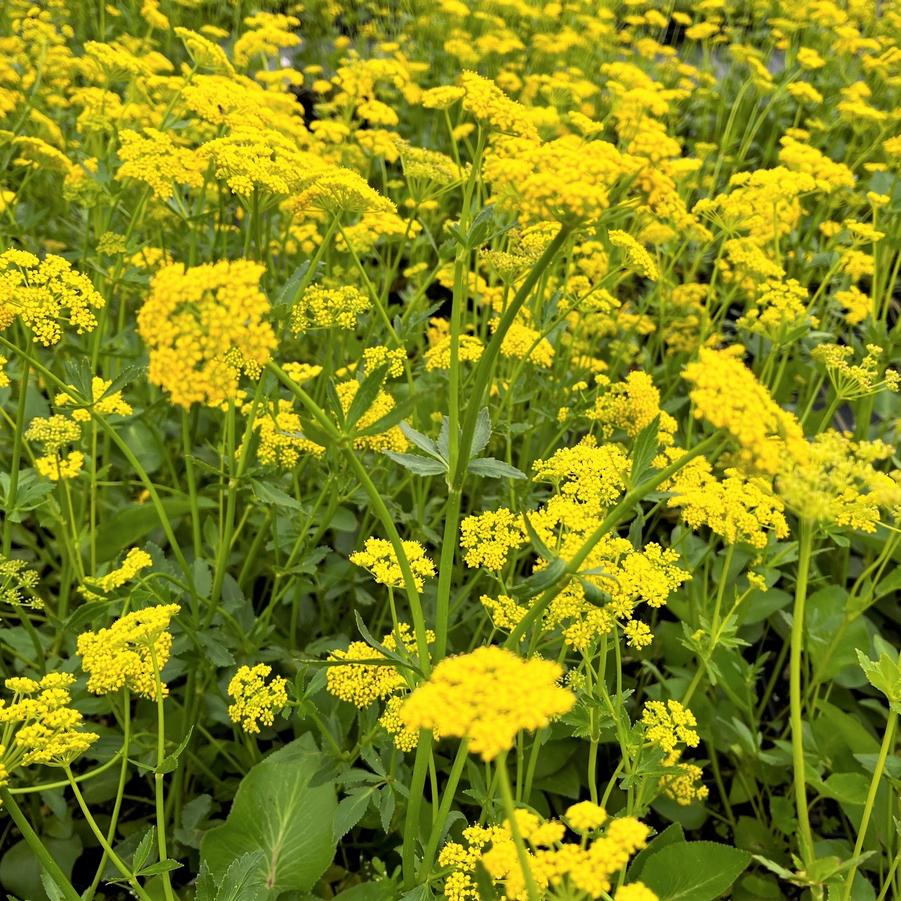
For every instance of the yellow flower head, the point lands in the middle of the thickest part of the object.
(379, 558)
(131, 653)
(488, 696)
(47, 729)
(667, 725)
(727, 394)
(255, 700)
(46, 295)
(489, 537)
(203, 325)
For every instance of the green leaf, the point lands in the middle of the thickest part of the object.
(288, 293)
(423, 442)
(350, 811)
(243, 880)
(884, 675)
(494, 469)
(417, 464)
(482, 433)
(672, 835)
(278, 812)
(170, 761)
(539, 581)
(694, 871)
(269, 494)
(644, 450)
(366, 394)
(142, 852)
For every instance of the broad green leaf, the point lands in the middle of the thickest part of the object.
(694, 871)
(131, 524)
(672, 835)
(270, 494)
(278, 812)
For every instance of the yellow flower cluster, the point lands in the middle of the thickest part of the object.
(438, 356)
(102, 401)
(567, 179)
(853, 380)
(489, 537)
(763, 203)
(488, 103)
(392, 438)
(637, 258)
(328, 307)
(47, 729)
(669, 724)
(156, 160)
(801, 157)
(524, 343)
(281, 437)
(780, 312)
(738, 508)
(250, 159)
(405, 739)
(131, 653)
(203, 325)
(135, 561)
(488, 696)
(727, 394)
(362, 683)
(52, 433)
(255, 700)
(18, 584)
(379, 558)
(630, 406)
(837, 482)
(592, 475)
(46, 295)
(559, 868)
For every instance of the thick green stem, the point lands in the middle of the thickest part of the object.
(805, 836)
(414, 805)
(37, 847)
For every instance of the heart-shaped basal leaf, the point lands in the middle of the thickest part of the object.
(277, 811)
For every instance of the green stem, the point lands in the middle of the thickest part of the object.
(117, 861)
(613, 518)
(414, 805)
(159, 792)
(509, 808)
(18, 435)
(805, 835)
(447, 799)
(120, 792)
(37, 847)
(888, 741)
